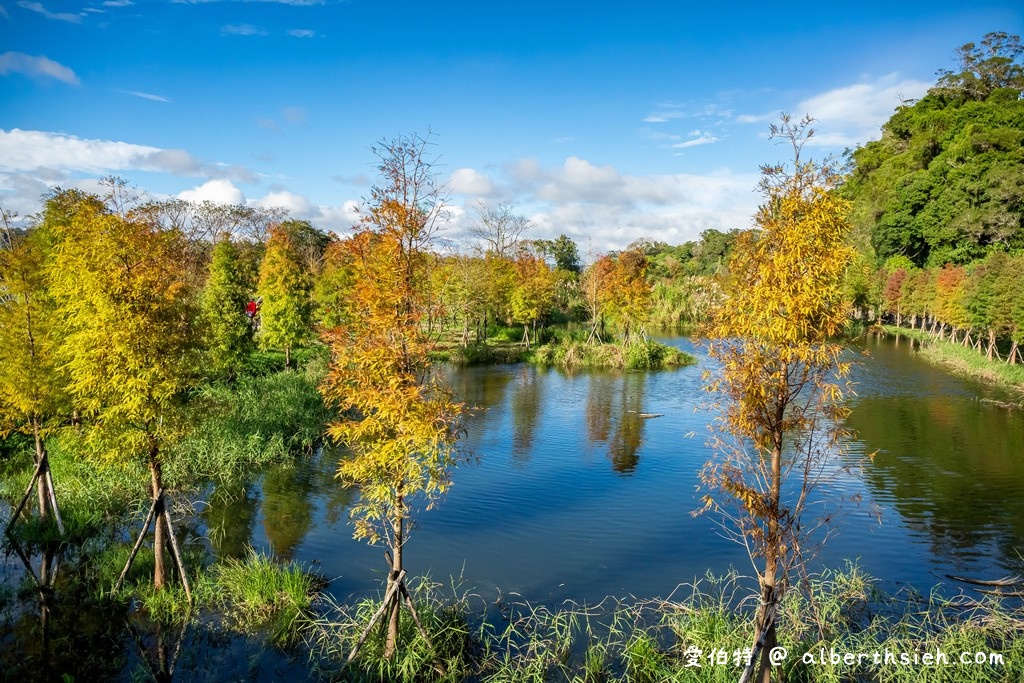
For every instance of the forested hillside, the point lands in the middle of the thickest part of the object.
(944, 184)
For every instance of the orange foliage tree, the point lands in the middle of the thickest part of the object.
(399, 421)
(781, 373)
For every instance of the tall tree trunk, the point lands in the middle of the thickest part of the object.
(1012, 358)
(159, 530)
(391, 643)
(287, 357)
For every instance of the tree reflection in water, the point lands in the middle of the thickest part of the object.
(614, 416)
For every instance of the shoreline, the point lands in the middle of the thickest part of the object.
(965, 361)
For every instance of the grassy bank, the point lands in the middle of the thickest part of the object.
(699, 636)
(963, 360)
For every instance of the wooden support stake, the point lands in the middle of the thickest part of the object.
(176, 552)
(388, 596)
(138, 541)
(24, 499)
(438, 664)
(53, 497)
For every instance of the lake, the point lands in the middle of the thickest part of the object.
(572, 494)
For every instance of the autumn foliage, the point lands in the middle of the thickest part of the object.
(781, 372)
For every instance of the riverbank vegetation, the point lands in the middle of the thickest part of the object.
(159, 349)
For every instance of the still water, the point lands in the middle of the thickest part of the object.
(575, 492)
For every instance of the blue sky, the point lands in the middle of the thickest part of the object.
(603, 121)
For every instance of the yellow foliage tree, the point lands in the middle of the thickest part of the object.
(129, 344)
(781, 378)
(31, 387)
(400, 423)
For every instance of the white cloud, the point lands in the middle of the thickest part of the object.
(703, 139)
(36, 67)
(144, 95)
(609, 209)
(665, 112)
(296, 205)
(219, 191)
(33, 151)
(242, 30)
(302, 33)
(58, 16)
(470, 182)
(851, 114)
(118, 3)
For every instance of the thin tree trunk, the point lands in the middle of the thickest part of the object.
(391, 642)
(44, 498)
(1012, 358)
(159, 532)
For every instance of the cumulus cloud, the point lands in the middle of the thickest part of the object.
(57, 16)
(296, 205)
(219, 191)
(302, 33)
(31, 150)
(600, 206)
(470, 182)
(852, 114)
(34, 151)
(35, 67)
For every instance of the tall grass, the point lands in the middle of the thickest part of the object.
(334, 632)
(702, 635)
(259, 421)
(572, 352)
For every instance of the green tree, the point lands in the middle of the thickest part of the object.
(986, 67)
(229, 333)
(780, 371)
(285, 290)
(129, 345)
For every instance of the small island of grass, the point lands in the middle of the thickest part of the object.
(567, 349)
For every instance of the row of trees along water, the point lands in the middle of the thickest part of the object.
(937, 206)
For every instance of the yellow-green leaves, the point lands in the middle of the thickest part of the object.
(126, 313)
